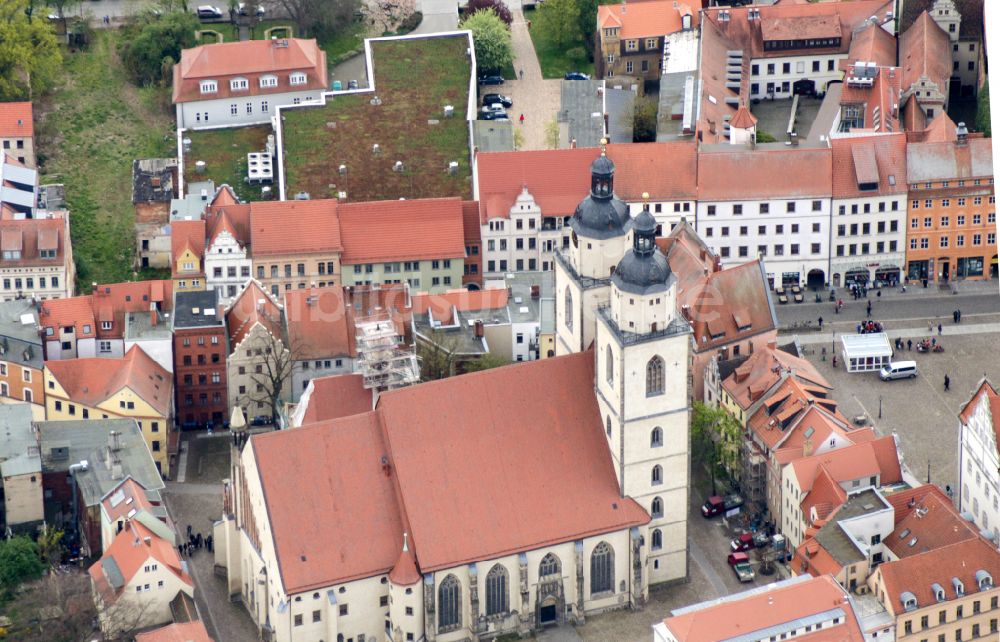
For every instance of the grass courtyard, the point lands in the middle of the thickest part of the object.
(414, 80)
(225, 154)
(556, 60)
(88, 132)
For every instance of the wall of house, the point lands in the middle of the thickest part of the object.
(435, 276)
(935, 212)
(978, 466)
(67, 346)
(227, 267)
(242, 386)
(200, 353)
(22, 148)
(188, 274)
(968, 55)
(768, 77)
(21, 382)
(23, 498)
(803, 234)
(235, 112)
(304, 371)
(868, 233)
(145, 599)
(40, 281)
(277, 273)
(152, 245)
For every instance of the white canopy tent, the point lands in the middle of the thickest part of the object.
(865, 352)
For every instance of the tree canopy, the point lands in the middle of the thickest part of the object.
(319, 18)
(494, 51)
(560, 19)
(19, 562)
(29, 53)
(983, 111)
(715, 438)
(151, 53)
(497, 6)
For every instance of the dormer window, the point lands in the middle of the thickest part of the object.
(239, 84)
(938, 592)
(297, 78)
(47, 254)
(12, 255)
(984, 580)
(268, 81)
(959, 587)
(909, 600)
(209, 86)
(106, 325)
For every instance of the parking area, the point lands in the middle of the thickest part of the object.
(919, 411)
(772, 116)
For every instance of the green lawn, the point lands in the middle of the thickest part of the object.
(225, 154)
(408, 126)
(344, 43)
(231, 32)
(556, 60)
(89, 131)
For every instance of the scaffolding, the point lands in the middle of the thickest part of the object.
(753, 480)
(384, 363)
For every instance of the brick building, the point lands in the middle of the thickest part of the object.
(199, 360)
(952, 209)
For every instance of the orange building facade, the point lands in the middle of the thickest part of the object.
(951, 226)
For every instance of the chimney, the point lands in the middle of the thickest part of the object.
(147, 540)
(807, 448)
(572, 144)
(479, 329)
(152, 316)
(686, 311)
(961, 135)
(536, 291)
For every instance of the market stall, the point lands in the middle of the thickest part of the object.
(865, 352)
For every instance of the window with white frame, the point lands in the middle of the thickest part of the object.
(268, 81)
(209, 86)
(239, 84)
(297, 78)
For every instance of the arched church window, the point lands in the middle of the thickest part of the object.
(654, 376)
(569, 309)
(657, 476)
(449, 602)
(602, 569)
(496, 590)
(656, 437)
(607, 425)
(609, 364)
(657, 508)
(549, 566)
(657, 539)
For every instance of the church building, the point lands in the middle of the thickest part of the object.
(488, 504)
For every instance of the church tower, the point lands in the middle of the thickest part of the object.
(642, 355)
(600, 235)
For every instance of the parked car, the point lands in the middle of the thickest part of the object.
(352, 84)
(261, 420)
(717, 505)
(495, 107)
(491, 79)
(494, 115)
(741, 566)
(898, 370)
(337, 85)
(742, 543)
(494, 99)
(243, 10)
(576, 75)
(207, 11)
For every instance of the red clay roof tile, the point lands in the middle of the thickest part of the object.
(407, 230)
(193, 631)
(16, 120)
(293, 227)
(646, 19)
(92, 380)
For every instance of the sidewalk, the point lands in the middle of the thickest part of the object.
(921, 332)
(535, 97)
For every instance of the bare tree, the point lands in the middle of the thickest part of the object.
(272, 365)
(57, 607)
(320, 17)
(437, 356)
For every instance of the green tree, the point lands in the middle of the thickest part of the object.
(715, 440)
(644, 120)
(63, 7)
(588, 22)
(486, 362)
(559, 21)
(19, 562)
(496, 6)
(165, 37)
(764, 137)
(29, 53)
(494, 51)
(50, 546)
(552, 133)
(983, 111)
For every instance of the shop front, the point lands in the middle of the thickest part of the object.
(789, 279)
(969, 267)
(887, 275)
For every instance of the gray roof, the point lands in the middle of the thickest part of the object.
(139, 326)
(19, 339)
(670, 110)
(836, 540)
(16, 433)
(521, 307)
(581, 107)
(642, 275)
(112, 572)
(493, 135)
(153, 180)
(88, 440)
(619, 104)
(21, 465)
(948, 160)
(547, 316)
(193, 205)
(185, 304)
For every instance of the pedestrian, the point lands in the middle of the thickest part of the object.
(522, 119)
(522, 73)
(909, 344)
(947, 383)
(959, 315)
(834, 361)
(869, 309)
(939, 329)
(954, 316)
(821, 323)
(878, 295)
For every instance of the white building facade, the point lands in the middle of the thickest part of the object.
(979, 460)
(227, 266)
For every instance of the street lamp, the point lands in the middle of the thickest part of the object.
(880, 406)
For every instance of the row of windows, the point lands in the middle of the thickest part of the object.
(242, 84)
(202, 379)
(761, 230)
(945, 241)
(945, 221)
(231, 272)
(866, 228)
(764, 208)
(866, 208)
(25, 373)
(29, 282)
(779, 250)
(518, 265)
(946, 202)
(201, 358)
(202, 399)
(405, 266)
(786, 67)
(961, 183)
(201, 341)
(5, 392)
(852, 249)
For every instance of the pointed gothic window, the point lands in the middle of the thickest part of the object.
(569, 309)
(607, 425)
(656, 438)
(496, 590)
(449, 601)
(654, 377)
(609, 364)
(657, 539)
(602, 569)
(657, 476)
(549, 566)
(657, 508)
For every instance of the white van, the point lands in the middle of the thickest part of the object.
(898, 370)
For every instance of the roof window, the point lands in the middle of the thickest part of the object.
(209, 86)
(984, 580)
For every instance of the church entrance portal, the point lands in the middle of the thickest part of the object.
(547, 613)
